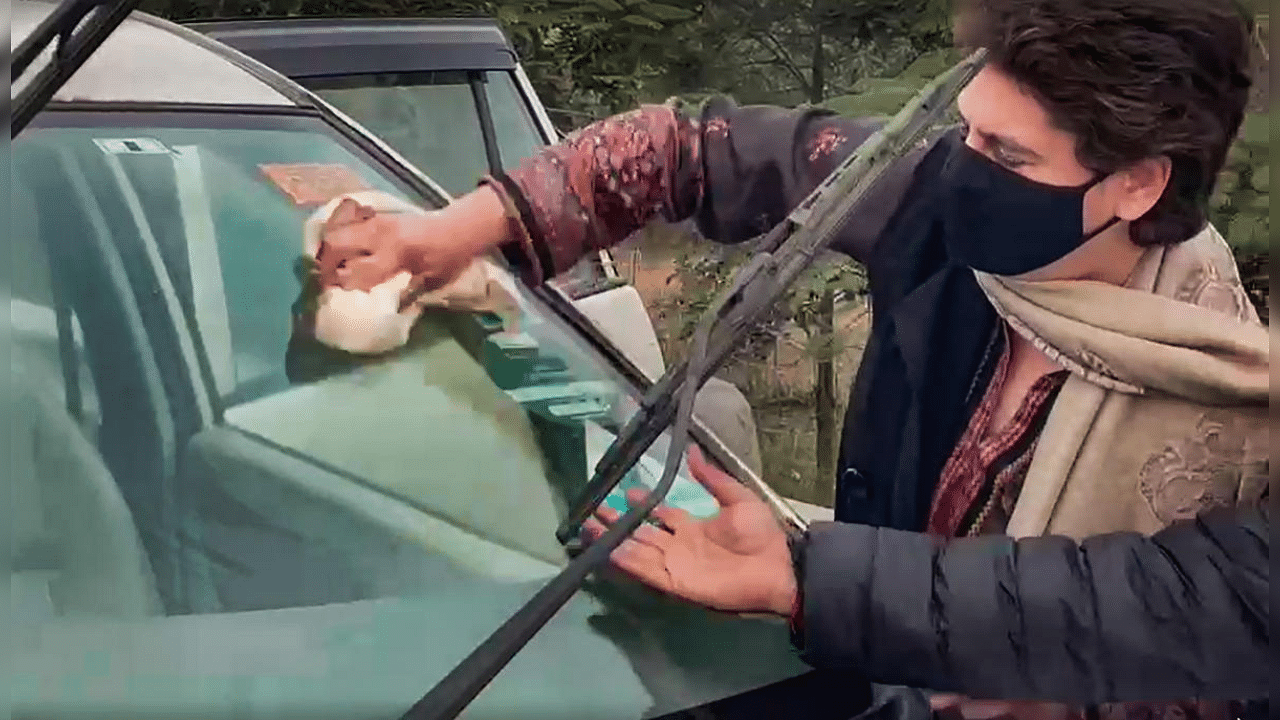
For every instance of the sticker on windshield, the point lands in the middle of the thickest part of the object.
(131, 146)
(313, 183)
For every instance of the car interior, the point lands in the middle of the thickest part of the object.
(75, 548)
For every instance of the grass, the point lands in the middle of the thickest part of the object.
(788, 435)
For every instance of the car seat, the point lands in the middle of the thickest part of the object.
(74, 545)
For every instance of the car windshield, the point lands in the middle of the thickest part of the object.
(213, 518)
(433, 120)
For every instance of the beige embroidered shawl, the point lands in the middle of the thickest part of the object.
(1165, 412)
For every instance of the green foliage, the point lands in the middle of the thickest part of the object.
(807, 309)
(931, 64)
(799, 50)
(885, 96)
(882, 98)
(1240, 207)
(664, 13)
(703, 277)
(594, 57)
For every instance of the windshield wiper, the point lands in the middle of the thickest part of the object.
(786, 251)
(78, 35)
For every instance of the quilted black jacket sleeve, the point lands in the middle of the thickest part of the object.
(1115, 618)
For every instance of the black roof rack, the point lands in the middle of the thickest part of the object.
(319, 47)
(79, 28)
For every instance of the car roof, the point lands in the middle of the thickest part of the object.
(317, 47)
(152, 61)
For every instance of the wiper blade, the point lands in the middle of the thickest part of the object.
(79, 27)
(786, 251)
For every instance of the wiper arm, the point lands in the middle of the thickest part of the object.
(787, 250)
(77, 39)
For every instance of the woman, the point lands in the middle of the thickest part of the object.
(1060, 344)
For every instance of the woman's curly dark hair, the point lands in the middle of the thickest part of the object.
(1130, 79)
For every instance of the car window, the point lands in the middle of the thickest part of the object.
(513, 125)
(245, 522)
(432, 119)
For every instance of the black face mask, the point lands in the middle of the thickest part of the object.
(999, 222)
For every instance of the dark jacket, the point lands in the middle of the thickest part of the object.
(1115, 618)
(737, 171)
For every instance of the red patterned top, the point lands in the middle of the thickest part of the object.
(981, 481)
(601, 184)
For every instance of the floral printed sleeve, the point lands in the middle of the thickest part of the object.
(736, 170)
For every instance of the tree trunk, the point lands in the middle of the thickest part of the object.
(818, 63)
(824, 390)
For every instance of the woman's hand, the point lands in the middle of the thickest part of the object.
(737, 561)
(361, 248)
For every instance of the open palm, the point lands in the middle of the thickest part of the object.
(736, 561)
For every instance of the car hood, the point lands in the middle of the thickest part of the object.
(374, 659)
